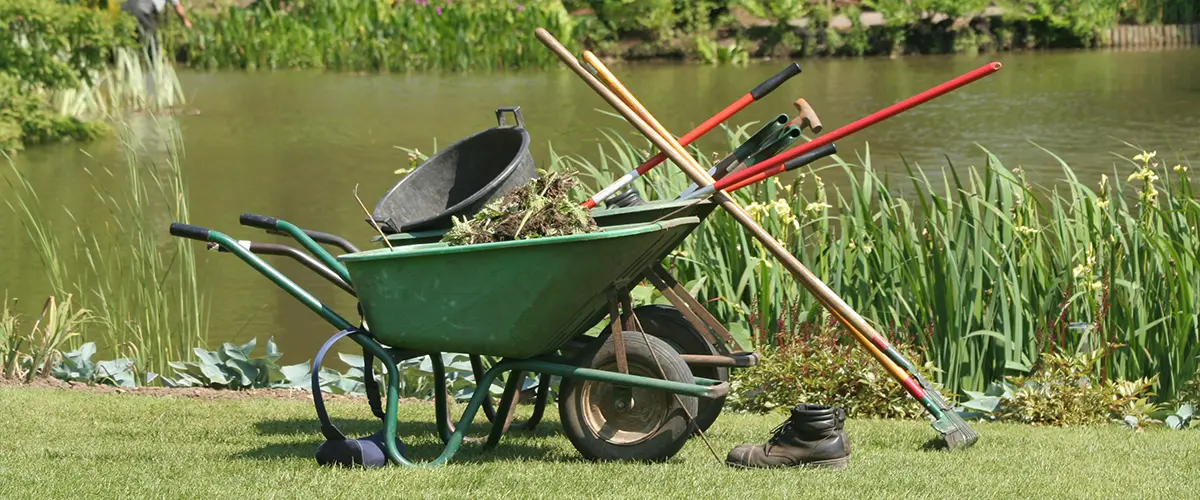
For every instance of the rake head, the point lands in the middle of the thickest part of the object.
(954, 430)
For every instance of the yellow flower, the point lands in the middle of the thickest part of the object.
(817, 206)
(1145, 157)
(1025, 230)
(1179, 169)
(1102, 204)
(1144, 174)
(1096, 285)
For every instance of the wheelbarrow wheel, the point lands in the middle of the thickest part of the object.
(668, 324)
(649, 425)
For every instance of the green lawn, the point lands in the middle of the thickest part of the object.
(66, 444)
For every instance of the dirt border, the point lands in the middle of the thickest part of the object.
(202, 393)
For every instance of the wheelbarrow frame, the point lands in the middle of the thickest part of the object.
(730, 354)
(453, 435)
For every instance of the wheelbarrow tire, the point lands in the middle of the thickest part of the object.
(667, 323)
(660, 424)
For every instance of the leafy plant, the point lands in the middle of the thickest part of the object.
(1182, 417)
(653, 16)
(416, 377)
(711, 52)
(815, 364)
(77, 366)
(375, 35)
(10, 341)
(781, 13)
(232, 367)
(1066, 391)
(57, 324)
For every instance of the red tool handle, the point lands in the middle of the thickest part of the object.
(757, 93)
(775, 164)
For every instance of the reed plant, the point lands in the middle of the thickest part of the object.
(139, 284)
(976, 267)
(375, 35)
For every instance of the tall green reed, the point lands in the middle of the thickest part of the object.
(140, 285)
(975, 266)
(376, 35)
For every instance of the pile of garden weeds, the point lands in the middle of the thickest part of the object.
(538, 209)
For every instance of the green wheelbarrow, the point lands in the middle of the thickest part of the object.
(685, 324)
(626, 395)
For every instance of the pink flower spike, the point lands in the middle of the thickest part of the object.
(439, 11)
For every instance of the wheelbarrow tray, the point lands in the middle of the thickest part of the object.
(605, 217)
(513, 299)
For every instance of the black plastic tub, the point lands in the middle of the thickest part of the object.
(459, 180)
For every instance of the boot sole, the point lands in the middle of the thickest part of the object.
(834, 463)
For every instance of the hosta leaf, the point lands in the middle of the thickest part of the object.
(1185, 411)
(214, 374)
(248, 347)
(85, 352)
(247, 371)
(348, 386)
(1174, 422)
(354, 360)
(207, 356)
(297, 374)
(230, 351)
(273, 353)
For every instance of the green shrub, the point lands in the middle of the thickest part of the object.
(816, 364)
(629, 16)
(53, 46)
(26, 119)
(35, 352)
(45, 47)
(375, 35)
(1068, 390)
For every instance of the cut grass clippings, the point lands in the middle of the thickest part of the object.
(61, 444)
(540, 208)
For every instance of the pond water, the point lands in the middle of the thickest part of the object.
(295, 144)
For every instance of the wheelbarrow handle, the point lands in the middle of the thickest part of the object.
(259, 221)
(189, 231)
(270, 224)
(295, 254)
(301, 236)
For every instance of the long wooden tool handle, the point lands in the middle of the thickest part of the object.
(764, 88)
(831, 301)
(610, 82)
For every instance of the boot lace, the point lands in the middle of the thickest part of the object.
(780, 430)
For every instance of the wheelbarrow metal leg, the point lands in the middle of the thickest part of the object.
(477, 369)
(507, 408)
(440, 397)
(693, 310)
(615, 313)
(539, 404)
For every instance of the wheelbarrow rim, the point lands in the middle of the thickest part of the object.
(444, 249)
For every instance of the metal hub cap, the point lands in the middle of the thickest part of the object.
(625, 422)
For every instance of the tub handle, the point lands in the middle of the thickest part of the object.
(515, 110)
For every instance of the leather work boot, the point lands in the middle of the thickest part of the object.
(814, 436)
